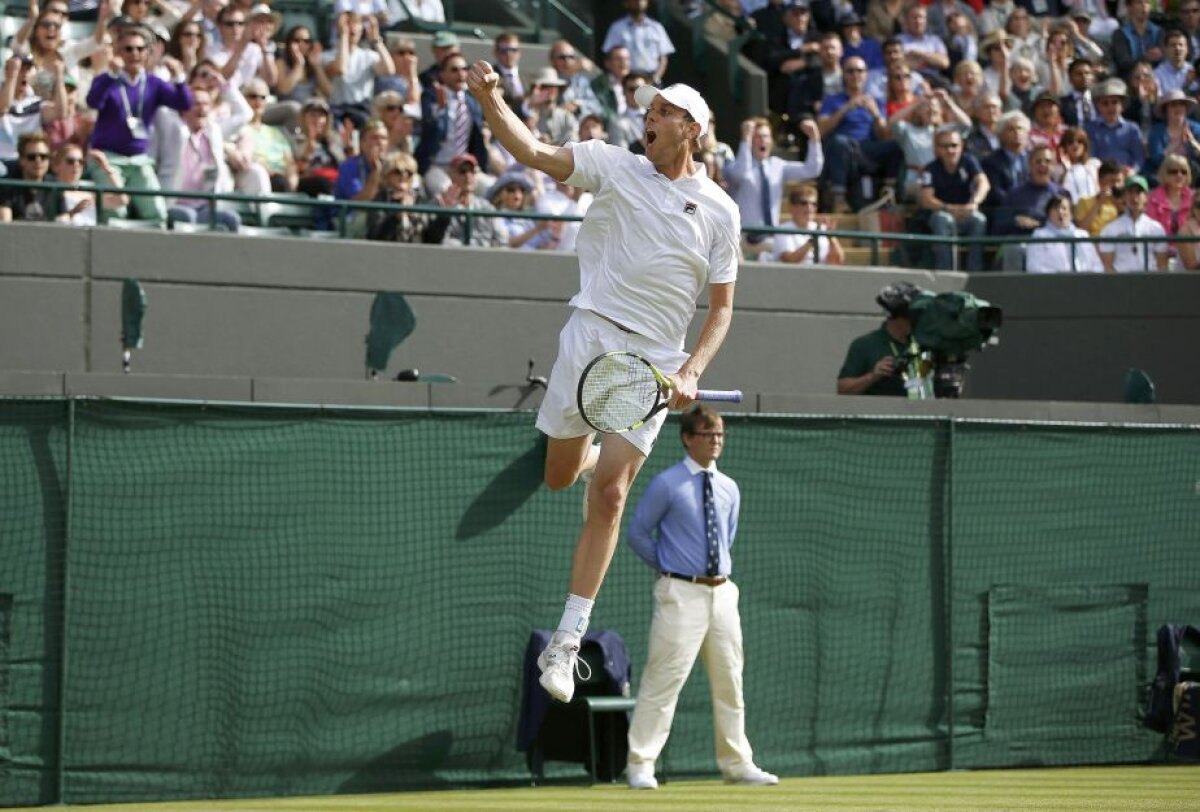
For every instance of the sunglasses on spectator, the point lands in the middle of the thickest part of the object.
(36, 156)
(465, 168)
(392, 108)
(854, 70)
(253, 96)
(1177, 171)
(234, 23)
(191, 32)
(133, 49)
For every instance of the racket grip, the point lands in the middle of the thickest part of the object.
(721, 395)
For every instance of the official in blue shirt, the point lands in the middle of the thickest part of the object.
(1112, 135)
(683, 529)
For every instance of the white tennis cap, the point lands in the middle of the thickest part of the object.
(681, 96)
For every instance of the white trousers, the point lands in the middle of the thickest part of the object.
(691, 619)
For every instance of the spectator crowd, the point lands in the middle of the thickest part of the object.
(1039, 119)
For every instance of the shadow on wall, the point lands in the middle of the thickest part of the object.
(505, 494)
(412, 764)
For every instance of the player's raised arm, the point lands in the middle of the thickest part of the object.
(484, 84)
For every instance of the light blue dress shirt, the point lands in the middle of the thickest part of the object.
(667, 530)
(647, 42)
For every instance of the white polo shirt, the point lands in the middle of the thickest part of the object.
(648, 245)
(1130, 257)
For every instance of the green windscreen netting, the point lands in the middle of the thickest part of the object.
(269, 601)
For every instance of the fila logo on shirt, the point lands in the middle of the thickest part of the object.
(689, 207)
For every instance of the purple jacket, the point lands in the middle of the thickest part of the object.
(111, 133)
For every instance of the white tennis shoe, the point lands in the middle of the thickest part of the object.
(641, 776)
(557, 663)
(752, 775)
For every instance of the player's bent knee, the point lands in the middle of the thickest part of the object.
(609, 499)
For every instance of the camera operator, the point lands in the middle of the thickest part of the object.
(874, 362)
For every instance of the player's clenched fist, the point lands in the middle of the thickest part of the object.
(481, 78)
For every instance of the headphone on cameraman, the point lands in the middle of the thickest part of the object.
(896, 297)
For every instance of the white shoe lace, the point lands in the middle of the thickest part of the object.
(581, 664)
(559, 657)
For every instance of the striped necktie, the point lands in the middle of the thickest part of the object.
(710, 527)
(462, 126)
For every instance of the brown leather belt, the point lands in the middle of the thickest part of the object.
(704, 580)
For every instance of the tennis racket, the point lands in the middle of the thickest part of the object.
(620, 391)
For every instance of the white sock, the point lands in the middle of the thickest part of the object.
(575, 617)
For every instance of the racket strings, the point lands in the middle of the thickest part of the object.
(618, 392)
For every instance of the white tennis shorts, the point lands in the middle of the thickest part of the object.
(585, 336)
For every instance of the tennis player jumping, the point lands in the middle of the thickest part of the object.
(657, 232)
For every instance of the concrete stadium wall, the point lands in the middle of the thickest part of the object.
(284, 320)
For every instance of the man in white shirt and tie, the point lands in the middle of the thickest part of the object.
(757, 178)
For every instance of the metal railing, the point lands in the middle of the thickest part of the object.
(878, 240)
(342, 211)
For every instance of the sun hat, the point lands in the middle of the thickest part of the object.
(547, 77)
(1172, 97)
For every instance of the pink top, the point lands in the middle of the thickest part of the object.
(1159, 208)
